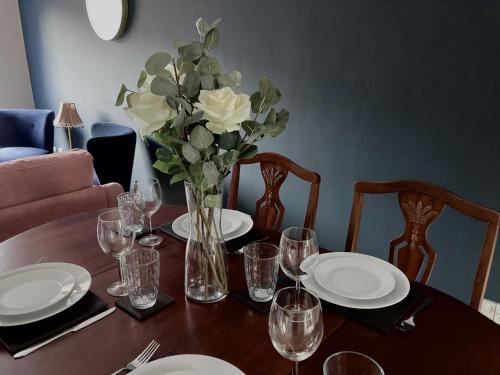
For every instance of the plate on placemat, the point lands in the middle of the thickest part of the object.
(32, 290)
(179, 364)
(243, 223)
(82, 285)
(398, 293)
(359, 278)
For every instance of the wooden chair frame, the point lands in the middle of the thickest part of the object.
(431, 200)
(269, 211)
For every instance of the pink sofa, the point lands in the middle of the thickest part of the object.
(40, 189)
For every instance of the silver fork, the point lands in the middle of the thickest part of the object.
(142, 358)
(408, 324)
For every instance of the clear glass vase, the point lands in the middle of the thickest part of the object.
(206, 273)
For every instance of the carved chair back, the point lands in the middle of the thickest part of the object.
(421, 203)
(269, 210)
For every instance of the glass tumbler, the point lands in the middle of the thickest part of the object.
(141, 274)
(130, 210)
(351, 363)
(261, 270)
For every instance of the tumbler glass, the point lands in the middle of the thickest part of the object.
(351, 363)
(261, 270)
(141, 274)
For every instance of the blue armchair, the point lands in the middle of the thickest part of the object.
(25, 132)
(113, 148)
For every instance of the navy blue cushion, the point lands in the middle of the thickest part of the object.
(27, 128)
(13, 153)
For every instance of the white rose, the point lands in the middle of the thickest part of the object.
(149, 110)
(223, 109)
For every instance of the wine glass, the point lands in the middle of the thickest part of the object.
(148, 194)
(130, 207)
(115, 238)
(299, 253)
(295, 324)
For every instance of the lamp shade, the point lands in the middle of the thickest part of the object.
(68, 116)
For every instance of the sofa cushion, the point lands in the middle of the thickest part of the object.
(13, 153)
(34, 178)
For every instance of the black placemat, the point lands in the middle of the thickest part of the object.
(162, 301)
(253, 235)
(385, 318)
(21, 337)
(243, 297)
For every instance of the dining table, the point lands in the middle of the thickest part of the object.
(450, 337)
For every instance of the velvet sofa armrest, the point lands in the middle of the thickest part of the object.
(112, 190)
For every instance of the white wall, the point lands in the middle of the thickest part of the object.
(15, 85)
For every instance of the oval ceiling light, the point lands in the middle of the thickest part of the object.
(107, 17)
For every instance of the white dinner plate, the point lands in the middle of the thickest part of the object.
(29, 291)
(82, 285)
(359, 278)
(180, 364)
(400, 291)
(229, 222)
(245, 220)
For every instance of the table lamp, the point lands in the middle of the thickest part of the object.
(68, 118)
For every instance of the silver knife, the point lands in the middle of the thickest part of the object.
(78, 327)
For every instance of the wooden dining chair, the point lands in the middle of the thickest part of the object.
(269, 211)
(421, 203)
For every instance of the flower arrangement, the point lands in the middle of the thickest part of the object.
(196, 112)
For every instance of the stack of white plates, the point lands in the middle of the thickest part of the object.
(188, 364)
(357, 281)
(32, 293)
(234, 224)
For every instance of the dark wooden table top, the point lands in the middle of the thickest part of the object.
(450, 338)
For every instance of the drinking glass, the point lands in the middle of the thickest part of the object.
(115, 238)
(351, 363)
(295, 324)
(261, 270)
(130, 207)
(299, 253)
(150, 191)
(141, 273)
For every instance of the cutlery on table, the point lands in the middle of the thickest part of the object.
(78, 327)
(409, 324)
(141, 359)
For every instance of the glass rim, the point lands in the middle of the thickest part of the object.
(155, 252)
(142, 181)
(266, 244)
(289, 229)
(370, 359)
(115, 210)
(295, 290)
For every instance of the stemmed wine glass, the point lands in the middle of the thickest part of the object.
(148, 194)
(295, 324)
(115, 237)
(299, 253)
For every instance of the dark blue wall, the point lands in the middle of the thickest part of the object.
(377, 90)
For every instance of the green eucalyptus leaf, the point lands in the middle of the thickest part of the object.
(191, 51)
(194, 118)
(128, 100)
(174, 169)
(163, 87)
(161, 166)
(230, 157)
(178, 177)
(191, 84)
(142, 79)
(210, 173)
(212, 39)
(202, 26)
(250, 152)
(271, 117)
(215, 23)
(196, 171)
(164, 155)
(229, 140)
(217, 159)
(208, 65)
(201, 138)
(184, 66)
(232, 79)
(267, 91)
(121, 95)
(258, 103)
(213, 200)
(181, 43)
(191, 154)
(252, 127)
(157, 62)
(185, 105)
(207, 82)
(171, 101)
(179, 120)
(168, 76)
